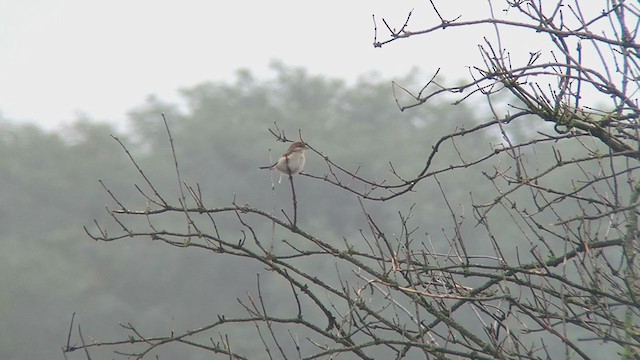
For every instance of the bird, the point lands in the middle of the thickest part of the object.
(292, 161)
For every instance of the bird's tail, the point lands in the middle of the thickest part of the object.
(268, 167)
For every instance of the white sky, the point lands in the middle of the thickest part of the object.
(59, 58)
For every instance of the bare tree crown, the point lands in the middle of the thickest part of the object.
(574, 288)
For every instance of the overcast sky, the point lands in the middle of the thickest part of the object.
(59, 58)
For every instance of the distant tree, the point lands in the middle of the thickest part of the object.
(544, 266)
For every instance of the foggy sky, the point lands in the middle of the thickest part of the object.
(65, 58)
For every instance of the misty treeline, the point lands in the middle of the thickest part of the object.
(51, 187)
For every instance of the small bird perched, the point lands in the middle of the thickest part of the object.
(292, 161)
